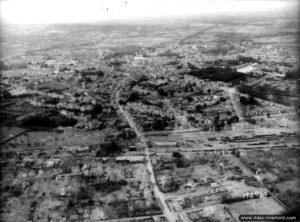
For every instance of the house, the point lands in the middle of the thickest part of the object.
(63, 192)
(52, 162)
(132, 148)
(75, 169)
(214, 185)
(165, 143)
(130, 159)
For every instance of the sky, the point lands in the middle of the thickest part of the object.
(82, 11)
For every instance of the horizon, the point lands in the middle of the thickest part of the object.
(34, 12)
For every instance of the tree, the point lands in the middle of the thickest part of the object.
(96, 110)
(216, 120)
(180, 163)
(3, 66)
(236, 152)
(161, 92)
(142, 78)
(149, 144)
(189, 98)
(198, 108)
(176, 154)
(248, 101)
(134, 96)
(70, 204)
(171, 93)
(83, 193)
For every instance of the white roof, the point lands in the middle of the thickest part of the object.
(165, 143)
(130, 158)
(214, 185)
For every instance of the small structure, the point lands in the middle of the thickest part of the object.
(222, 168)
(130, 159)
(165, 143)
(214, 185)
(63, 192)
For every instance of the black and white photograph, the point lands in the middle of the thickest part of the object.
(149, 110)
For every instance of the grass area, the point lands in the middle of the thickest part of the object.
(279, 170)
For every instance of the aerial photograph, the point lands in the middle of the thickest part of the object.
(149, 110)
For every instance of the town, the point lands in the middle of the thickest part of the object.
(179, 122)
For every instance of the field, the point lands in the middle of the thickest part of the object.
(279, 170)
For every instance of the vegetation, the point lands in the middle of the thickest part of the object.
(176, 155)
(133, 96)
(292, 75)
(169, 53)
(3, 66)
(217, 74)
(109, 186)
(108, 149)
(162, 92)
(50, 119)
(161, 123)
(96, 110)
(248, 101)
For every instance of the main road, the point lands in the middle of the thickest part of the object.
(171, 216)
(233, 95)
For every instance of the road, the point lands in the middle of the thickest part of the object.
(181, 41)
(13, 137)
(171, 216)
(232, 93)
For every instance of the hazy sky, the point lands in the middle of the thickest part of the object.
(65, 11)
